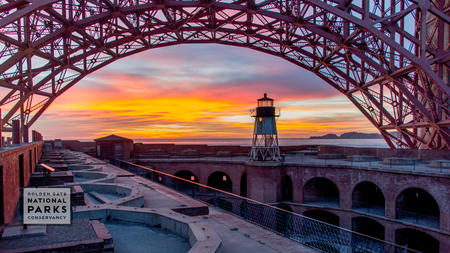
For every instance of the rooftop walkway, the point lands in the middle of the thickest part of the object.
(237, 235)
(115, 204)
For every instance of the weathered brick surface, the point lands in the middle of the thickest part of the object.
(9, 159)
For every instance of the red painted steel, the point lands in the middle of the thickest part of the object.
(1, 137)
(390, 58)
(16, 132)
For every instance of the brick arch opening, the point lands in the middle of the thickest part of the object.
(321, 191)
(184, 186)
(416, 240)
(322, 215)
(287, 193)
(188, 175)
(415, 205)
(323, 242)
(368, 197)
(220, 180)
(368, 227)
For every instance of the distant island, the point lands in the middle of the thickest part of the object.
(349, 135)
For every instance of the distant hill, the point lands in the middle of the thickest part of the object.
(349, 135)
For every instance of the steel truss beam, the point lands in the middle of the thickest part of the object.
(391, 59)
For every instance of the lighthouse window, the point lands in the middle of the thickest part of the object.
(264, 103)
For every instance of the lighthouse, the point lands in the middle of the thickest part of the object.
(265, 138)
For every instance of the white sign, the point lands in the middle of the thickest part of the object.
(46, 205)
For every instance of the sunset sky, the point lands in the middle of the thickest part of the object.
(197, 91)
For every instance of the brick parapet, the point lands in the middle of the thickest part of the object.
(9, 161)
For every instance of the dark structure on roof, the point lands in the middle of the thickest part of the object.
(114, 147)
(265, 137)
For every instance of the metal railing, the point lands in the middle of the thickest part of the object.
(307, 231)
(422, 219)
(367, 207)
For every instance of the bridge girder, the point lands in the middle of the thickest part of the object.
(391, 60)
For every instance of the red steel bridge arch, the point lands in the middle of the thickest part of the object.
(390, 58)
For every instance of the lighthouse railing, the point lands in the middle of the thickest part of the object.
(307, 231)
(277, 112)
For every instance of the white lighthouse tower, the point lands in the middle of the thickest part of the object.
(265, 138)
